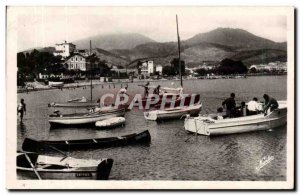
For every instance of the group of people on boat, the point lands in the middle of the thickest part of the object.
(253, 107)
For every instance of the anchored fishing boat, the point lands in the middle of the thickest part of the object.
(173, 113)
(168, 97)
(85, 118)
(37, 166)
(111, 122)
(83, 99)
(74, 104)
(149, 101)
(56, 84)
(208, 126)
(32, 145)
(79, 102)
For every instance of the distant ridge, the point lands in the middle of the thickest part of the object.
(40, 49)
(214, 46)
(238, 38)
(113, 41)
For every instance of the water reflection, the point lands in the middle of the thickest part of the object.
(231, 157)
(21, 128)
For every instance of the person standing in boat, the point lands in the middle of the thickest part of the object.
(122, 92)
(253, 107)
(21, 109)
(270, 103)
(146, 89)
(230, 105)
(157, 90)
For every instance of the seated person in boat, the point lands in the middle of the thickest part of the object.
(270, 103)
(253, 107)
(218, 116)
(56, 114)
(230, 106)
(241, 111)
(83, 99)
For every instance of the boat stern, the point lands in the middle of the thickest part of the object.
(104, 168)
(151, 115)
(196, 125)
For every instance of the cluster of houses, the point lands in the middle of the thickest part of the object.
(149, 68)
(76, 59)
(85, 60)
(276, 66)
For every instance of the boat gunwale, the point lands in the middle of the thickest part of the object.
(89, 141)
(243, 124)
(66, 170)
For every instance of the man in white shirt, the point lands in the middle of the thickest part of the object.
(253, 107)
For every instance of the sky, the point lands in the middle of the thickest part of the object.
(45, 26)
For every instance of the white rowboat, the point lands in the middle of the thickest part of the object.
(208, 126)
(85, 118)
(111, 122)
(173, 113)
(55, 84)
(51, 167)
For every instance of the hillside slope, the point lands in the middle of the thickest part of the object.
(113, 41)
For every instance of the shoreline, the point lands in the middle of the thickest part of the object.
(36, 86)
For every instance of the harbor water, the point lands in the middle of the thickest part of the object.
(169, 157)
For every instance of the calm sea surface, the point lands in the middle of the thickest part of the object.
(169, 157)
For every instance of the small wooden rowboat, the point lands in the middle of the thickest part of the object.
(56, 84)
(35, 166)
(173, 113)
(85, 118)
(111, 122)
(83, 99)
(208, 126)
(74, 104)
(32, 145)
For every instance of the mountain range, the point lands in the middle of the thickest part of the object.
(210, 47)
(113, 41)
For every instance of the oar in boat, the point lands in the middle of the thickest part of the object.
(58, 150)
(34, 169)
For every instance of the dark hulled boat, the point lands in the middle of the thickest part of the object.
(32, 145)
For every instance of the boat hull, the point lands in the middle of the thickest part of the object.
(74, 104)
(85, 119)
(49, 169)
(56, 84)
(63, 174)
(258, 122)
(169, 101)
(175, 113)
(32, 145)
